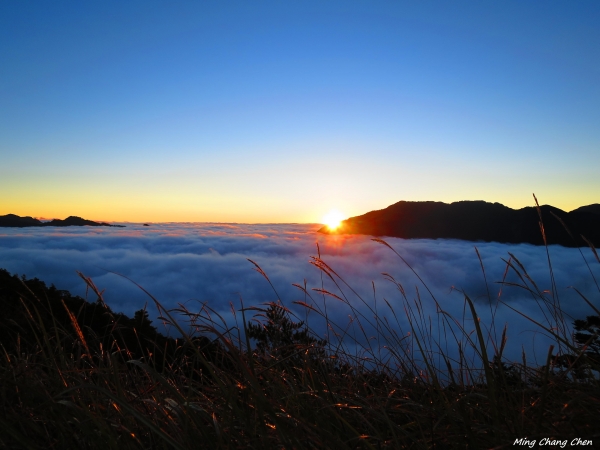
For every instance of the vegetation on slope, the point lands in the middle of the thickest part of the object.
(75, 374)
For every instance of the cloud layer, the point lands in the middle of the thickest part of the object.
(194, 263)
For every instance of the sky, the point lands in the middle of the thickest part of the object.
(197, 264)
(279, 111)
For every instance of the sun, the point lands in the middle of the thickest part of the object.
(333, 219)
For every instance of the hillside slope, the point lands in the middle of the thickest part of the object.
(476, 221)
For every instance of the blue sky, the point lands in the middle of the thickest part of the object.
(251, 111)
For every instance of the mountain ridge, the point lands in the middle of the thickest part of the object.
(12, 220)
(477, 221)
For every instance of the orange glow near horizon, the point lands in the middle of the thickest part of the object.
(112, 208)
(333, 219)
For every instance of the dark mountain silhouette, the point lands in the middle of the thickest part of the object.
(12, 220)
(76, 221)
(477, 221)
(28, 304)
(594, 209)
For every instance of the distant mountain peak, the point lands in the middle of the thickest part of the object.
(476, 220)
(12, 220)
(594, 208)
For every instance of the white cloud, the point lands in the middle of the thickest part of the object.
(194, 263)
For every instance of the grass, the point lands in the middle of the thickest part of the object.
(75, 374)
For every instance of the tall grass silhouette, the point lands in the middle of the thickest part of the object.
(77, 375)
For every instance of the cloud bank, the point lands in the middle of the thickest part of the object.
(195, 263)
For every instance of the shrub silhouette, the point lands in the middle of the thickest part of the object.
(588, 333)
(281, 338)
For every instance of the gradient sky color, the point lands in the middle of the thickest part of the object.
(256, 111)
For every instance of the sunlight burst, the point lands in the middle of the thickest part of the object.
(333, 219)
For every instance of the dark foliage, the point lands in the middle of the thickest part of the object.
(55, 311)
(584, 360)
(281, 338)
(588, 334)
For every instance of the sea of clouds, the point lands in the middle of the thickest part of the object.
(195, 263)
